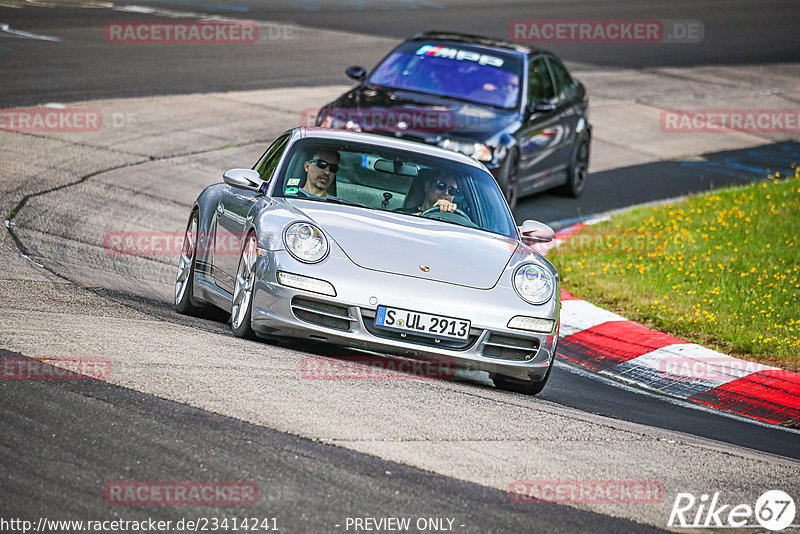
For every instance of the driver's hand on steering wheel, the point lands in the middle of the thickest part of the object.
(445, 205)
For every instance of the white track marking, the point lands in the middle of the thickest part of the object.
(684, 369)
(579, 315)
(617, 383)
(26, 35)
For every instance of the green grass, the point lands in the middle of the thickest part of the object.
(721, 269)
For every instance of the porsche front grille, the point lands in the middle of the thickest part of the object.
(322, 313)
(510, 347)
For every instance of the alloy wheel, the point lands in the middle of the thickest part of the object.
(245, 279)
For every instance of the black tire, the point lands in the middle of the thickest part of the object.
(578, 169)
(526, 387)
(184, 300)
(244, 328)
(507, 178)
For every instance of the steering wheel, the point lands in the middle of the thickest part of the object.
(446, 214)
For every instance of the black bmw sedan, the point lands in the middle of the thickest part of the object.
(514, 108)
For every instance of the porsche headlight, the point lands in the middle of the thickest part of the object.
(478, 151)
(534, 283)
(306, 242)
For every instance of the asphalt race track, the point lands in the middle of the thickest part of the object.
(308, 486)
(186, 401)
(735, 33)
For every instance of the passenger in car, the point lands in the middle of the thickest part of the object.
(321, 172)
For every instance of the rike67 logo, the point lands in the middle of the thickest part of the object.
(774, 510)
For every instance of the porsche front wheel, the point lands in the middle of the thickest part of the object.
(526, 387)
(242, 305)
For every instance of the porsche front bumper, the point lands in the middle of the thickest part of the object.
(348, 318)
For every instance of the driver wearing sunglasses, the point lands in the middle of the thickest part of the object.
(321, 172)
(440, 190)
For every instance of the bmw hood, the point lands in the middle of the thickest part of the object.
(413, 246)
(382, 110)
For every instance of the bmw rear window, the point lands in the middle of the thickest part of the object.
(456, 70)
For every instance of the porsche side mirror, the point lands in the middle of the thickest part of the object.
(357, 73)
(243, 179)
(535, 232)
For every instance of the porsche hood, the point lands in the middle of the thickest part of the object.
(413, 246)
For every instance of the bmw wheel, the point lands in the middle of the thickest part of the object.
(578, 168)
(242, 305)
(508, 178)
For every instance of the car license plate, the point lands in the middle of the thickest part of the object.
(424, 324)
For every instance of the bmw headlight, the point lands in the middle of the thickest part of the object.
(478, 151)
(326, 121)
(352, 125)
(339, 122)
(306, 242)
(534, 284)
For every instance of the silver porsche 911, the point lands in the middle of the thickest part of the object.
(375, 243)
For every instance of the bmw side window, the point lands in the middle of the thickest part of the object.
(269, 161)
(540, 85)
(564, 83)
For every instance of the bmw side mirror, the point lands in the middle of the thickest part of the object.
(541, 106)
(243, 179)
(357, 73)
(535, 232)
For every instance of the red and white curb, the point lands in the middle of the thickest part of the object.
(613, 346)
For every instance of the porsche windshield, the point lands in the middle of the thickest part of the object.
(459, 71)
(400, 181)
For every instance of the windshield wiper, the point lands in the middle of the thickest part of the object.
(337, 200)
(340, 200)
(466, 223)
